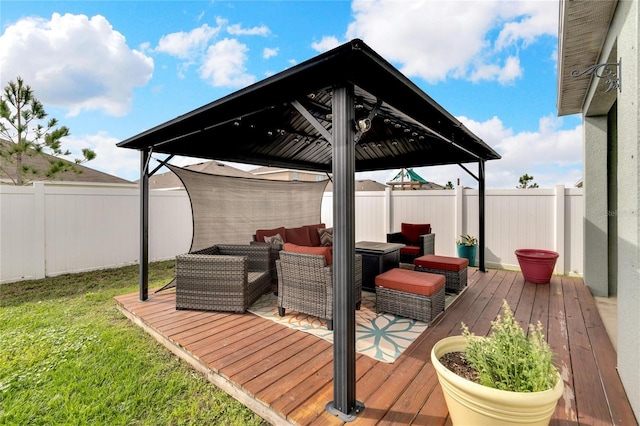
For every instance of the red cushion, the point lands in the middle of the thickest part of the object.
(261, 233)
(413, 231)
(415, 250)
(299, 236)
(327, 252)
(410, 281)
(442, 262)
(313, 233)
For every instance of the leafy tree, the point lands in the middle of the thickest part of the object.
(449, 185)
(21, 117)
(525, 182)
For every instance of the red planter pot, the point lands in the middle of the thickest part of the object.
(537, 265)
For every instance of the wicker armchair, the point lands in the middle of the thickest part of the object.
(274, 254)
(222, 278)
(305, 284)
(425, 244)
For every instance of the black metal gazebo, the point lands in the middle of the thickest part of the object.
(347, 110)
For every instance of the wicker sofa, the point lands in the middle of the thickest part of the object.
(305, 284)
(308, 235)
(225, 277)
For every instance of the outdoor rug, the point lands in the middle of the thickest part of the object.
(383, 337)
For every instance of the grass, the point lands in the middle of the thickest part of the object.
(68, 356)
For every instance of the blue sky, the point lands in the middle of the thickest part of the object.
(110, 70)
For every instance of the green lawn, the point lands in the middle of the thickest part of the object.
(68, 356)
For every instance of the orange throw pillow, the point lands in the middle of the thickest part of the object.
(327, 252)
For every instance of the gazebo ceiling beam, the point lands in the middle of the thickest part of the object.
(312, 120)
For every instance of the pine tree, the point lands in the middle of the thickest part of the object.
(21, 117)
(525, 180)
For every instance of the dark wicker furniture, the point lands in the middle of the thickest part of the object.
(410, 294)
(274, 254)
(223, 277)
(454, 270)
(423, 244)
(305, 284)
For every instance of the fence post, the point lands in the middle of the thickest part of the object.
(40, 244)
(388, 214)
(459, 215)
(559, 228)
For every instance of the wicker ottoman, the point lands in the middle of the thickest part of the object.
(453, 268)
(410, 294)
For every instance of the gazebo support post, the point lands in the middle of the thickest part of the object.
(344, 405)
(145, 156)
(481, 204)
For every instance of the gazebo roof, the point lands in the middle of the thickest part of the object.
(380, 120)
(286, 119)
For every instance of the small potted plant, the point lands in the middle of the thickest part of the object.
(503, 379)
(467, 248)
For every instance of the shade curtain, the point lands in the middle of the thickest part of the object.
(229, 210)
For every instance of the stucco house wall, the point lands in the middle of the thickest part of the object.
(612, 191)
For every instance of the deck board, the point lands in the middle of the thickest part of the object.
(286, 376)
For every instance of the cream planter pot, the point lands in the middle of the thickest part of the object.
(472, 404)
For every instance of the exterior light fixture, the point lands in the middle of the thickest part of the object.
(363, 125)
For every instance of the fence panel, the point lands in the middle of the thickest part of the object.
(574, 231)
(517, 219)
(90, 227)
(56, 228)
(50, 229)
(170, 224)
(20, 257)
(514, 218)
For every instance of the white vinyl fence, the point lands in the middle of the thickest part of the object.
(50, 229)
(55, 228)
(549, 219)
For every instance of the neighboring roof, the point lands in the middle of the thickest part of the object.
(277, 121)
(362, 185)
(170, 180)
(41, 162)
(583, 30)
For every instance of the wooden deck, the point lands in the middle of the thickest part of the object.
(285, 376)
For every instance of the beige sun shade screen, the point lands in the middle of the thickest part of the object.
(229, 210)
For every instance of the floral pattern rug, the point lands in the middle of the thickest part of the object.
(383, 336)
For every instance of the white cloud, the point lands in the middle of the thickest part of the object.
(269, 52)
(327, 43)
(504, 75)
(552, 155)
(124, 163)
(221, 63)
(237, 29)
(185, 45)
(436, 39)
(540, 17)
(224, 64)
(75, 62)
